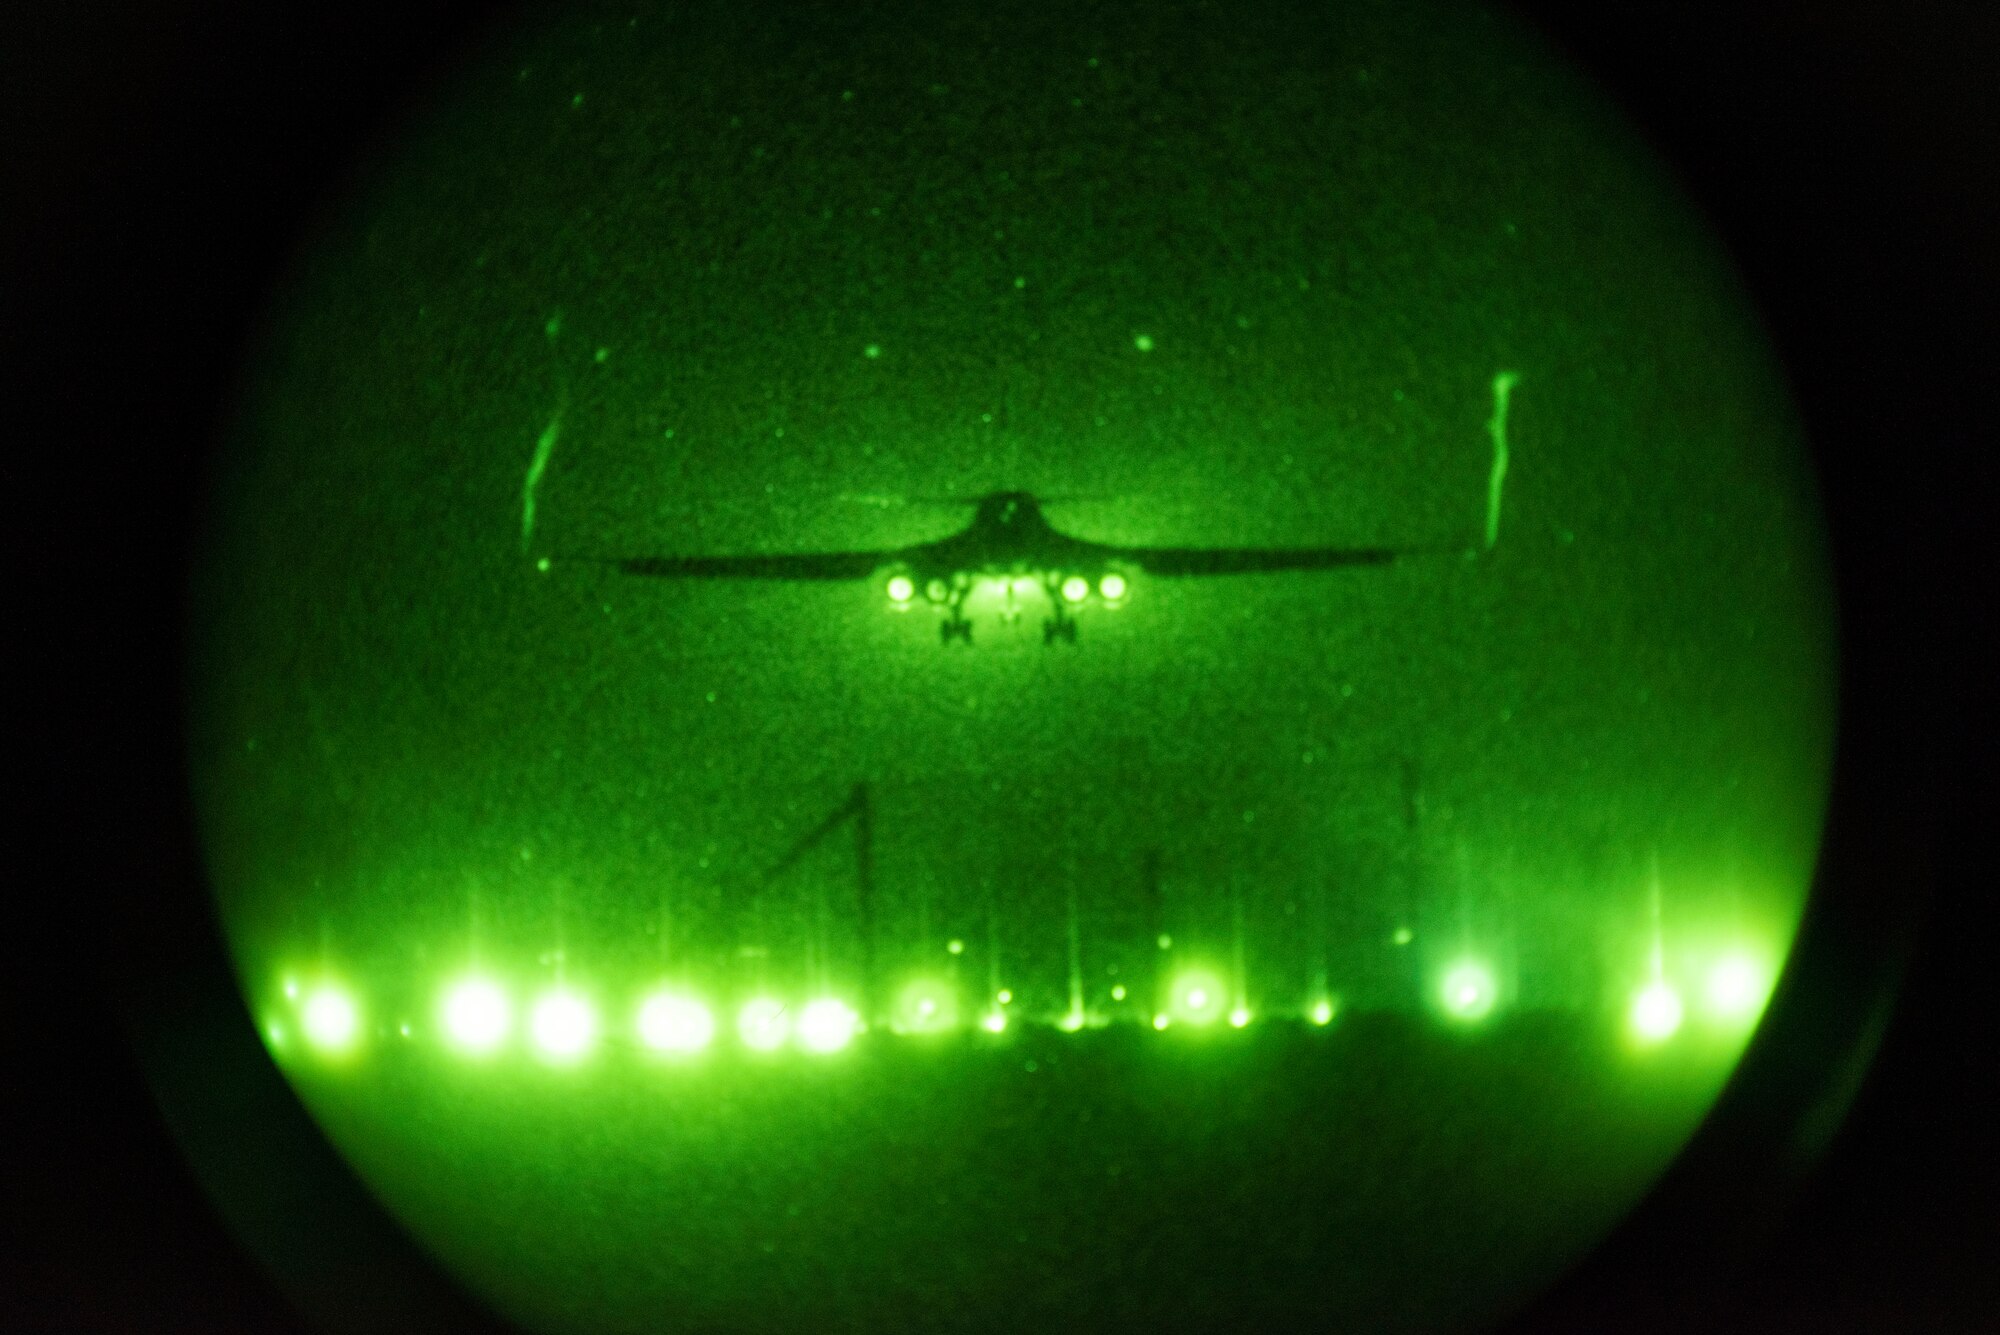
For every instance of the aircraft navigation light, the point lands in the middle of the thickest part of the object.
(901, 588)
(330, 1019)
(827, 1024)
(763, 1024)
(563, 1026)
(669, 1022)
(1075, 589)
(1468, 991)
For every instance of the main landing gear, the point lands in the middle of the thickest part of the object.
(1059, 627)
(955, 627)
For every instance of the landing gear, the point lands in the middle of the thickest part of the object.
(1059, 627)
(955, 627)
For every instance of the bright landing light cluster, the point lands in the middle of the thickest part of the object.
(475, 1017)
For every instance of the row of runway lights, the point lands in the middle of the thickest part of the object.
(476, 1016)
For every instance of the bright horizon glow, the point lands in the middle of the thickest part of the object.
(1468, 990)
(329, 1018)
(763, 1024)
(563, 1026)
(1656, 1012)
(671, 1022)
(476, 1015)
(827, 1024)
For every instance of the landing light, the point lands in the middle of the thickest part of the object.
(475, 1016)
(1468, 991)
(1075, 589)
(1322, 1012)
(1736, 988)
(669, 1022)
(1112, 587)
(827, 1024)
(1197, 997)
(763, 1024)
(901, 588)
(926, 1006)
(937, 590)
(563, 1026)
(329, 1018)
(1656, 1012)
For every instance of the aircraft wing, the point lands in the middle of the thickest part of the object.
(787, 565)
(1176, 561)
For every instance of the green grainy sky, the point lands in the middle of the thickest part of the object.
(680, 234)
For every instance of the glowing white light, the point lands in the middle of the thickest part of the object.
(329, 1018)
(994, 1022)
(937, 590)
(1112, 587)
(1070, 1022)
(1656, 1012)
(1197, 997)
(1735, 988)
(901, 588)
(827, 1024)
(1322, 1012)
(1469, 990)
(1161, 1021)
(1118, 992)
(670, 1022)
(476, 1016)
(563, 1026)
(1239, 1017)
(763, 1024)
(925, 1006)
(1075, 589)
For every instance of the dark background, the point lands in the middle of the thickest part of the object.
(153, 162)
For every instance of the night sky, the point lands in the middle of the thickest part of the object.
(1196, 275)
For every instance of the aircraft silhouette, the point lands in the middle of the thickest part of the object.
(1011, 543)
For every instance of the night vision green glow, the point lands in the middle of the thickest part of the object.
(671, 1022)
(563, 1026)
(827, 1024)
(843, 672)
(476, 1015)
(1198, 997)
(764, 1024)
(329, 1018)
(1468, 991)
(1656, 1012)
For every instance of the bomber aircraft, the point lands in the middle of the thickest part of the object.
(1009, 543)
